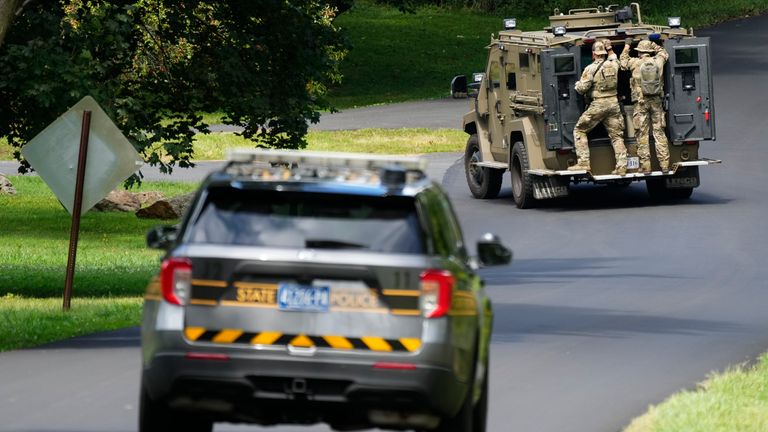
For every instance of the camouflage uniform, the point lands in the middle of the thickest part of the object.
(648, 112)
(599, 81)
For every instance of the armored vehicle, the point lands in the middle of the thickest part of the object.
(524, 107)
(314, 287)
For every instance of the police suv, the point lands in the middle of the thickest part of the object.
(317, 287)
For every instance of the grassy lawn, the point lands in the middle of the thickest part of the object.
(113, 265)
(29, 322)
(736, 400)
(383, 141)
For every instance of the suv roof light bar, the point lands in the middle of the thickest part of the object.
(326, 159)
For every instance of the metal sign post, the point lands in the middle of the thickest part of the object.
(74, 232)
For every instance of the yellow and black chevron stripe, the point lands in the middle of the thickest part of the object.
(240, 337)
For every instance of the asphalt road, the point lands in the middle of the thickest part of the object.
(613, 302)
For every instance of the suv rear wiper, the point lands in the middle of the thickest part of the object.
(332, 244)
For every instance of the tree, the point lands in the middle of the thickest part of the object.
(155, 65)
(8, 10)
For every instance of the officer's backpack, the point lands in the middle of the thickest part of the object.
(650, 78)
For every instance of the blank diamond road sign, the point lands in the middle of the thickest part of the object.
(111, 157)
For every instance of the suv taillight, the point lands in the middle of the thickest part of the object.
(176, 280)
(436, 292)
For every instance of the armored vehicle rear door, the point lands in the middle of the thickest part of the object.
(497, 103)
(691, 114)
(561, 69)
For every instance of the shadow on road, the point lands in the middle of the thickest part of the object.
(559, 270)
(123, 338)
(514, 322)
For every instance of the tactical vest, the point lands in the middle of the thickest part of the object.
(605, 80)
(650, 78)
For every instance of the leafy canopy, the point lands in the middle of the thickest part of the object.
(155, 65)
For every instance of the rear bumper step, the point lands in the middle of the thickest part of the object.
(628, 176)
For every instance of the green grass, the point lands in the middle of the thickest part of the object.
(27, 322)
(113, 266)
(382, 141)
(397, 57)
(6, 153)
(736, 400)
(112, 259)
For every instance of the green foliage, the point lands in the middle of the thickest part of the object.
(155, 64)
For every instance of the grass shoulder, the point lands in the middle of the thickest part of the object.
(381, 141)
(113, 266)
(29, 322)
(214, 146)
(735, 400)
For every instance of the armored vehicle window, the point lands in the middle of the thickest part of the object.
(564, 64)
(309, 220)
(511, 76)
(686, 56)
(495, 74)
(524, 63)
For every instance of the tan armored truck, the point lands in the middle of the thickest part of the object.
(524, 107)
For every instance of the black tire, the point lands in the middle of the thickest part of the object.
(464, 420)
(522, 184)
(657, 189)
(480, 414)
(483, 182)
(157, 417)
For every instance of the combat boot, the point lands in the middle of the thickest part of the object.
(664, 167)
(619, 170)
(645, 168)
(580, 165)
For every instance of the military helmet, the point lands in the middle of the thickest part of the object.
(598, 48)
(645, 46)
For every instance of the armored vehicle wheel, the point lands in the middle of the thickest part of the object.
(484, 183)
(658, 191)
(522, 184)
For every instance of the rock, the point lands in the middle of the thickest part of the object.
(6, 187)
(124, 201)
(149, 198)
(173, 208)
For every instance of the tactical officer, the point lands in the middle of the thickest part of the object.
(646, 83)
(598, 82)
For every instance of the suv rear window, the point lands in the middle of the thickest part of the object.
(309, 220)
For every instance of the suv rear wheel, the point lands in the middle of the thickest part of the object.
(484, 183)
(157, 417)
(472, 416)
(522, 184)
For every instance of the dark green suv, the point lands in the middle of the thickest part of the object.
(315, 287)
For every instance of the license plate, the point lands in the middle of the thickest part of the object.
(633, 162)
(303, 298)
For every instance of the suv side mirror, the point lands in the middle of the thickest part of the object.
(490, 251)
(459, 87)
(162, 236)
